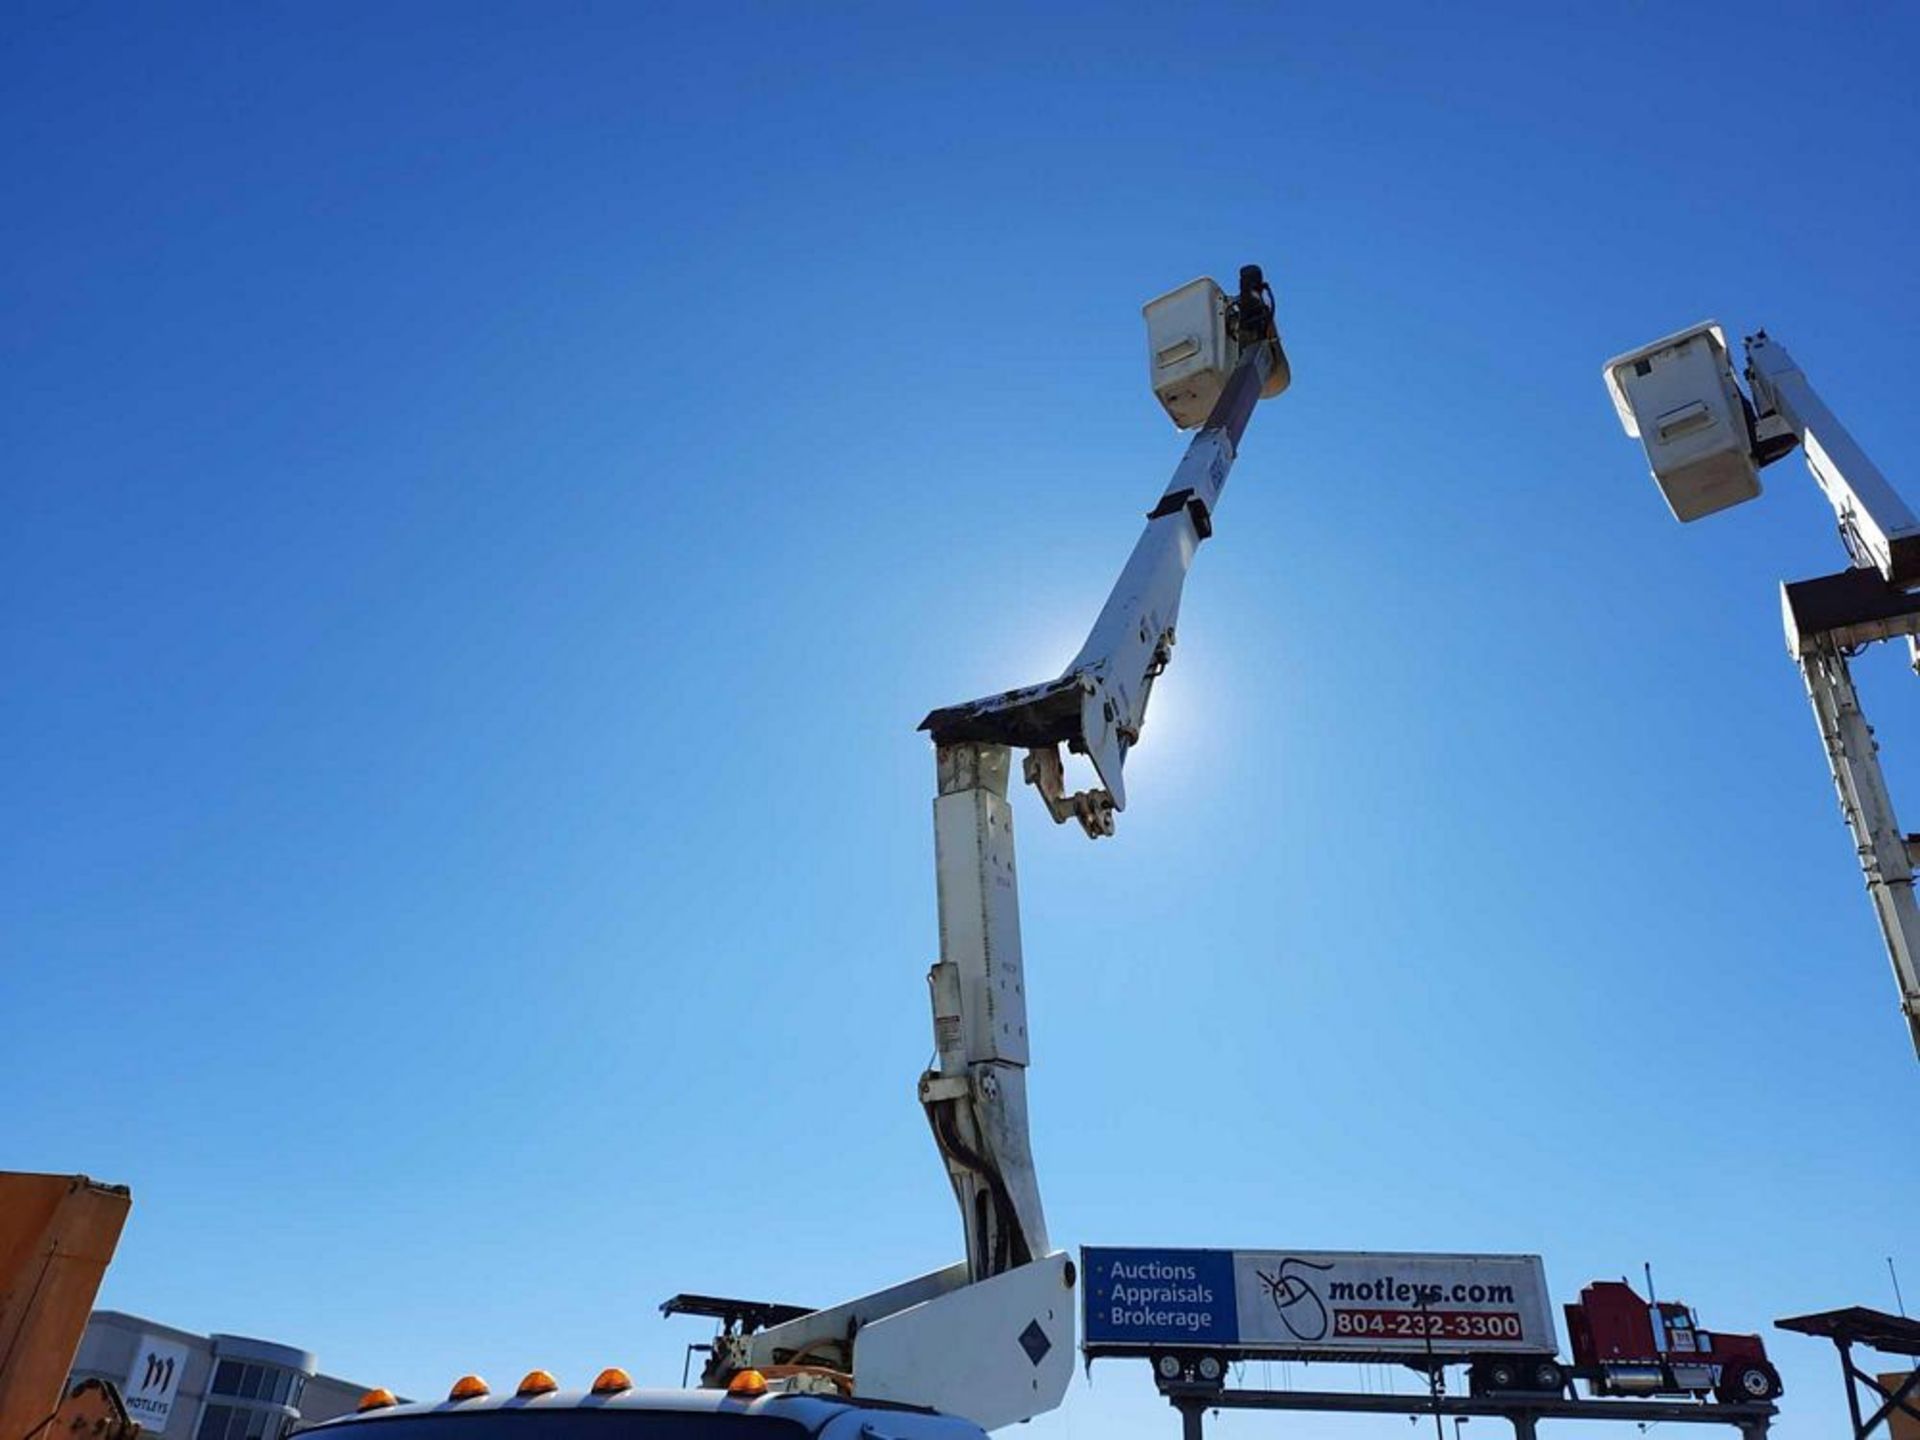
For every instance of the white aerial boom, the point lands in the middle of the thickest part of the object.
(991, 1337)
(1706, 443)
(976, 1098)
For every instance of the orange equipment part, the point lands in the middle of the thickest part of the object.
(57, 1233)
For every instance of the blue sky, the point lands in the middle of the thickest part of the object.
(493, 489)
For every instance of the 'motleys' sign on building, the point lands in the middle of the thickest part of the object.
(154, 1381)
(1315, 1301)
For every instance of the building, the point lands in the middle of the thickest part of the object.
(182, 1386)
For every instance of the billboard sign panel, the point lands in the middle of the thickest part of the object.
(1316, 1302)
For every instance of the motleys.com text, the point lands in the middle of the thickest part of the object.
(1413, 1293)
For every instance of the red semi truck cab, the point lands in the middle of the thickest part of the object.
(1624, 1345)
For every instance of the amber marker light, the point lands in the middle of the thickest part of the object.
(468, 1387)
(747, 1385)
(376, 1399)
(611, 1381)
(538, 1382)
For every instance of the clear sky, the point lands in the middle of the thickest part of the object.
(491, 490)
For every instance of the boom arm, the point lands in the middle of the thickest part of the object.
(1878, 528)
(1827, 621)
(976, 1097)
(1098, 704)
(1705, 444)
(991, 1338)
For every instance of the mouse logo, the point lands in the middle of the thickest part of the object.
(1299, 1305)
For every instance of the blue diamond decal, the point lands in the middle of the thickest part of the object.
(1034, 1341)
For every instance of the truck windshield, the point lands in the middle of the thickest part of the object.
(612, 1423)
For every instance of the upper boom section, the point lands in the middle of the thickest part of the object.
(1875, 522)
(1099, 703)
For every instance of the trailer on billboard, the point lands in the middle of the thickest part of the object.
(1311, 1304)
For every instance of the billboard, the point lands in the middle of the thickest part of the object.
(1311, 1303)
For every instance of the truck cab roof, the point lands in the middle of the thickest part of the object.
(648, 1415)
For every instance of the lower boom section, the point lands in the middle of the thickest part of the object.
(992, 1351)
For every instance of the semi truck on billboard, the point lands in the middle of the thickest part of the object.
(1192, 1313)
